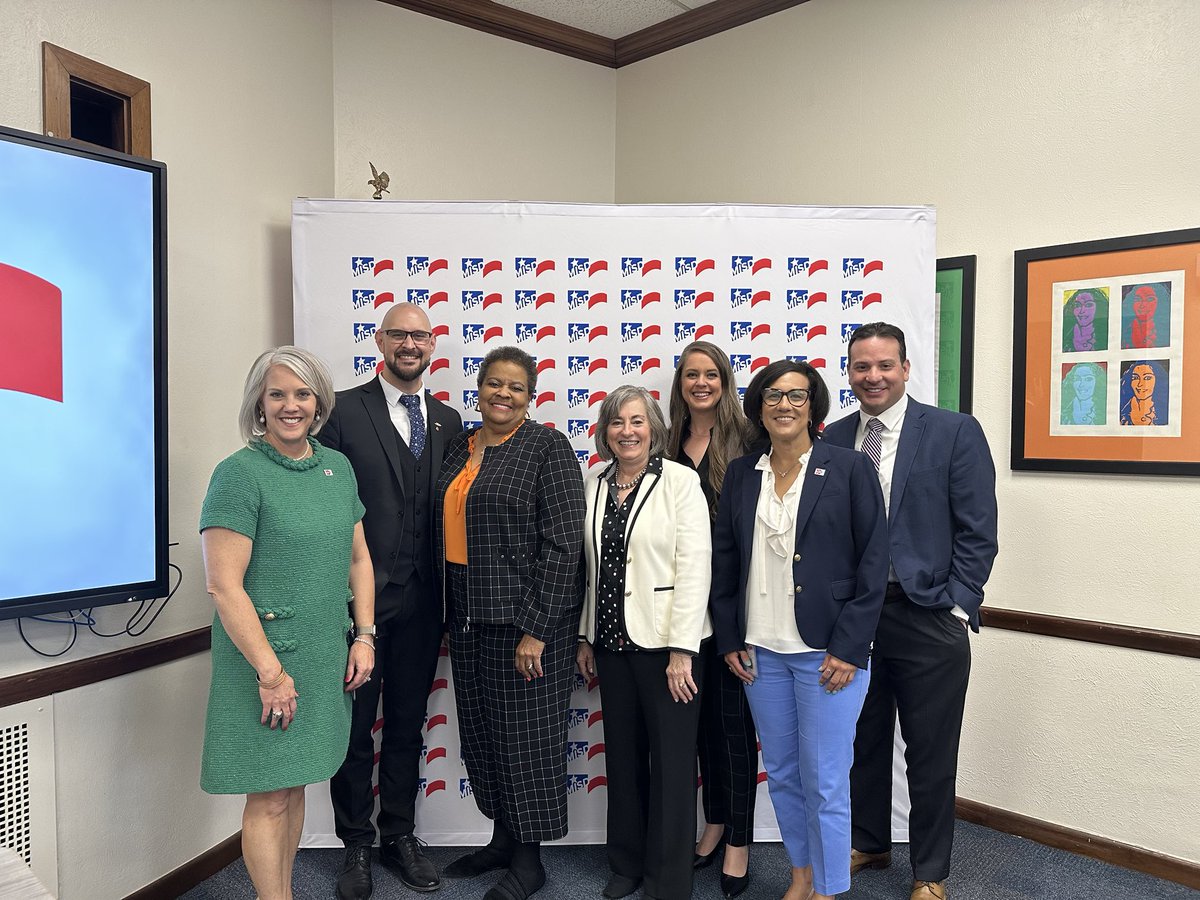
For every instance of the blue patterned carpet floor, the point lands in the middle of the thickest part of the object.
(988, 865)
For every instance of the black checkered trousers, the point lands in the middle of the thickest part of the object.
(524, 534)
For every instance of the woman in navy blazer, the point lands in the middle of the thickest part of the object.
(800, 564)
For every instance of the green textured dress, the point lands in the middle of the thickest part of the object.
(300, 514)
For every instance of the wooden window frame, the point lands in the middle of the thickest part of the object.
(60, 67)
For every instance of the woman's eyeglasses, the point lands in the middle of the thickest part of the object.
(796, 396)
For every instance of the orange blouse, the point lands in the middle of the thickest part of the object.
(454, 511)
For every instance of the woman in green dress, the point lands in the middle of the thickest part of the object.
(284, 553)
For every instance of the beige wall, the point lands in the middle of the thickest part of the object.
(455, 114)
(242, 98)
(1026, 123)
(244, 115)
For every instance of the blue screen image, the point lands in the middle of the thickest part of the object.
(77, 481)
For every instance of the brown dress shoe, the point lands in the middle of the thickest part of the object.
(860, 860)
(928, 890)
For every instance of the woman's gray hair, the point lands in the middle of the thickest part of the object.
(305, 366)
(610, 408)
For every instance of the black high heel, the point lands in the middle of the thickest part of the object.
(733, 885)
(706, 860)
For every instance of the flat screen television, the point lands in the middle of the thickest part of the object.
(83, 492)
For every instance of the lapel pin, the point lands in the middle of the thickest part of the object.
(329, 471)
(818, 471)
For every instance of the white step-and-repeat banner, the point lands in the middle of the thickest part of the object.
(600, 296)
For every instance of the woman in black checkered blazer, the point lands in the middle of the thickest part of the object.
(508, 516)
(647, 546)
(708, 431)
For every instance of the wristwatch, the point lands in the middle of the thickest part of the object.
(365, 629)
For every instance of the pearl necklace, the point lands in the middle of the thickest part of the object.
(633, 481)
(305, 455)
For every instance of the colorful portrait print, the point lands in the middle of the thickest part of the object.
(1084, 392)
(1146, 315)
(1085, 320)
(1144, 391)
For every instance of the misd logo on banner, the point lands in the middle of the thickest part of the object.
(854, 265)
(741, 264)
(806, 265)
(583, 265)
(693, 265)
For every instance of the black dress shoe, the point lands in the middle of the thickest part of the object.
(621, 886)
(485, 859)
(354, 881)
(706, 860)
(403, 857)
(733, 885)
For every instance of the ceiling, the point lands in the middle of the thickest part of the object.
(610, 33)
(608, 18)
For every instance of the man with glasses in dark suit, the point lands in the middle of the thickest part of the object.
(395, 434)
(939, 488)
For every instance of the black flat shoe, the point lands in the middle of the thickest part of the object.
(734, 885)
(486, 859)
(517, 886)
(703, 862)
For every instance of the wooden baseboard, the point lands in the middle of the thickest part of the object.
(190, 874)
(1124, 855)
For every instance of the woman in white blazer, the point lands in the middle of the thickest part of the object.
(648, 550)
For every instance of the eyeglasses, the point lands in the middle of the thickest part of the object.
(796, 396)
(399, 335)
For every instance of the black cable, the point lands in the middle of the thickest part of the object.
(133, 627)
(74, 623)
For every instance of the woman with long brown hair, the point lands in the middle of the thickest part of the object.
(708, 430)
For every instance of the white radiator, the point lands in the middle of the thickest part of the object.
(28, 822)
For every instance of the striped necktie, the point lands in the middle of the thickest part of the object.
(872, 443)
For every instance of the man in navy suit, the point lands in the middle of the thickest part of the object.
(395, 434)
(939, 486)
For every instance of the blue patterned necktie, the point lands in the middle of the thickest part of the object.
(872, 443)
(416, 422)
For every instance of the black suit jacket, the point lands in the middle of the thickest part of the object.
(360, 426)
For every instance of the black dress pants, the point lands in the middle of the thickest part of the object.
(919, 670)
(406, 655)
(728, 748)
(649, 748)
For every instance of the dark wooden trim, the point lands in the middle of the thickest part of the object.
(1173, 642)
(61, 66)
(517, 25)
(190, 874)
(65, 677)
(1124, 855)
(701, 22)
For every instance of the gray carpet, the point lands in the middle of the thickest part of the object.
(988, 865)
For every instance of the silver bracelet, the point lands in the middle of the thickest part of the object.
(362, 639)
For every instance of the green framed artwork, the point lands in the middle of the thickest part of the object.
(955, 285)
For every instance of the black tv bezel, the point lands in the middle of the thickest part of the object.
(107, 595)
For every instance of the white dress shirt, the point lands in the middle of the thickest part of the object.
(399, 412)
(770, 585)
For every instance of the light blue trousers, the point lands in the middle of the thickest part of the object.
(807, 738)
